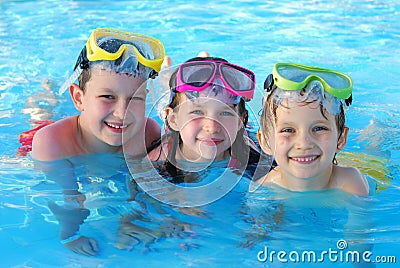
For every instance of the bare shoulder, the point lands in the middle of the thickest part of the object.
(152, 131)
(158, 153)
(155, 154)
(351, 180)
(270, 178)
(55, 140)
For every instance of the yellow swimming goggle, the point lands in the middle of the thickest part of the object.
(290, 76)
(119, 47)
(95, 49)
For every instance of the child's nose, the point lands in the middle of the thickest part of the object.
(211, 125)
(304, 141)
(120, 109)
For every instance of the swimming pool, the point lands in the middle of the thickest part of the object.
(40, 40)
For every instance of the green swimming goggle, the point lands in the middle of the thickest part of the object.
(290, 76)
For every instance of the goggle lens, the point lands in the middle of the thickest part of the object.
(239, 79)
(196, 76)
(299, 75)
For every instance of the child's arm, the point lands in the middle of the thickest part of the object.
(70, 220)
(55, 141)
(71, 213)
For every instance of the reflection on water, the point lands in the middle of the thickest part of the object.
(40, 106)
(381, 135)
(97, 195)
(100, 187)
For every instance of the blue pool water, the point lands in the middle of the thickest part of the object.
(41, 40)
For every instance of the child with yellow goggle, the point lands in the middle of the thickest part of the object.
(303, 128)
(112, 70)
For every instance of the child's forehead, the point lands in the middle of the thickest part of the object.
(204, 102)
(302, 111)
(293, 104)
(109, 75)
(108, 72)
(105, 79)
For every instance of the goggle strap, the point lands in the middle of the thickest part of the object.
(82, 61)
(349, 100)
(268, 83)
(84, 64)
(153, 74)
(70, 80)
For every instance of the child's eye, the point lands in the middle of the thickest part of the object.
(319, 128)
(137, 98)
(197, 112)
(227, 113)
(287, 130)
(110, 97)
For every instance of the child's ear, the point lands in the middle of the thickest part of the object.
(263, 143)
(171, 118)
(342, 139)
(77, 96)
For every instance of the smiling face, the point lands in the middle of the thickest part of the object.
(304, 142)
(111, 106)
(207, 127)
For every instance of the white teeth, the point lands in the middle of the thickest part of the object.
(305, 159)
(115, 126)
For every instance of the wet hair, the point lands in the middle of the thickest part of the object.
(268, 116)
(86, 74)
(84, 78)
(239, 149)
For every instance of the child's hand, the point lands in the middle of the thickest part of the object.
(83, 245)
(251, 240)
(198, 212)
(130, 235)
(172, 227)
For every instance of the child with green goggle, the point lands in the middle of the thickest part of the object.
(303, 128)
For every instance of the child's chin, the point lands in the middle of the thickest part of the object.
(114, 143)
(212, 157)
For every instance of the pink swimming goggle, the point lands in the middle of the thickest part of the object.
(211, 74)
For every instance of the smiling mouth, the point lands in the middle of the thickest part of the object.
(305, 160)
(210, 141)
(116, 126)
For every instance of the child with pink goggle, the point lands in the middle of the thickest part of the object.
(206, 117)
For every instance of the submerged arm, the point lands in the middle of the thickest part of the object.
(72, 213)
